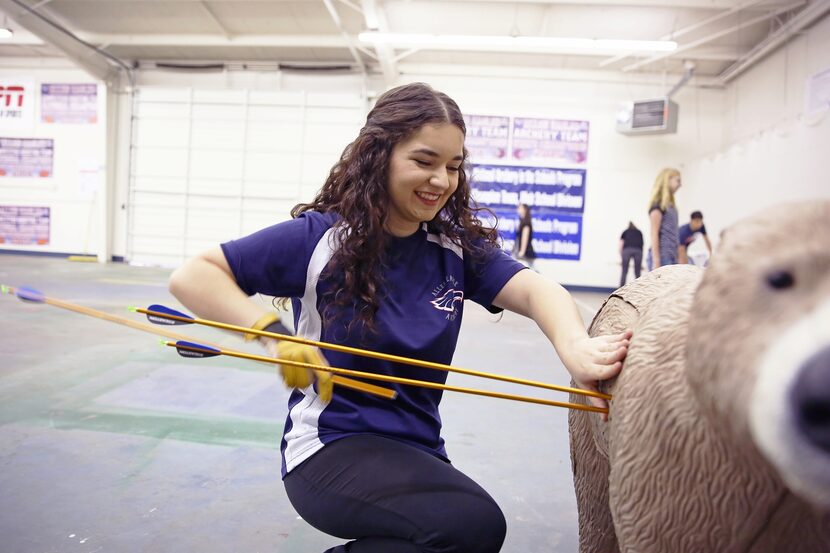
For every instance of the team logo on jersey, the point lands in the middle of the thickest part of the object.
(447, 296)
(447, 301)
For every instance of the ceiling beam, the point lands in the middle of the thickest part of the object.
(44, 25)
(545, 73)
(671, 4)
(801, 20)
(375, 17)
(352, 5)
(289, 41)
(215, 18)
(348, 39)
(695, 26)
(709, 38)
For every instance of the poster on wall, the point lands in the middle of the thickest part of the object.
(69, 103)
(537, 187)
(17, 104)
(556, 198)
(536, 162)
(26, 157)
(555, 235)
(488, 138)
(549, 141)
(24, 225)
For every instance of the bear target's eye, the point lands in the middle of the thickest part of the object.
(780, 280)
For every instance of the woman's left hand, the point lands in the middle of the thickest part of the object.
(590, 360)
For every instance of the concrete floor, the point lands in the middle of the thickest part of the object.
(111, 442)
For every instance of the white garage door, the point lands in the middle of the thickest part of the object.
(211, 165)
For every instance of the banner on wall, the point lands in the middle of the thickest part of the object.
(488, 137)
(530, 160)
(24, 225)
(549, 141)
(538, 187)
(555, 235)
(17, 103)
(69, 103)
(26, 157)
(556, 198)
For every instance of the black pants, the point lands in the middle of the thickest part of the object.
(393, 498)
(627, 255)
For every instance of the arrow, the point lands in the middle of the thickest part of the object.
(193, 350)
(171, 316)
(35, 296)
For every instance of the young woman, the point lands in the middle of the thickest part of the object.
(523, 250)
(662, 212)
(382, 259)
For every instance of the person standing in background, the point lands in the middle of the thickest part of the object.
(687, 233)
(631, 247)
(662, 213)
(523, 249)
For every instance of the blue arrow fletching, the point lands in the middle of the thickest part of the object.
(159, 320)
(207, 351)
(29, 294)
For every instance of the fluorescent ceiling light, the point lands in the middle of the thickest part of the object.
(6, 33)
(517, 43)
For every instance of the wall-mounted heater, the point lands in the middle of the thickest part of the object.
(657, 116)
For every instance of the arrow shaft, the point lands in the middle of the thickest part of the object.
(342, 381)
(375, 354)
(395, 379)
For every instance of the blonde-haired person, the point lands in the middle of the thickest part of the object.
(662, 212)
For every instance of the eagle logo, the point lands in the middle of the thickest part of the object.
(447, 301)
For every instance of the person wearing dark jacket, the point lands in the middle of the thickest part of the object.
(631, 247)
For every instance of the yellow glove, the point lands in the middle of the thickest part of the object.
(301, 377)
(294, 377)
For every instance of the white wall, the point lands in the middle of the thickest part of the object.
(620, 169)
(772, 152)
(740, 148)
(216, 156)
(76, 209)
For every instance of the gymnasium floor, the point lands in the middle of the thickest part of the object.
(111, 442)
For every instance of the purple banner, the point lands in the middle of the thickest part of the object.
(555, 235)
(549, 141)
(509, 186)
(69, 103)
(23, 225)
(488, 138)
(26, 157)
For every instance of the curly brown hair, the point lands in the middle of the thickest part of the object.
(356, 189)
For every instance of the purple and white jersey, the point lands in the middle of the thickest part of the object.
(426, 281)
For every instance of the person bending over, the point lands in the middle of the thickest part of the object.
(687, 234)
(383, 259)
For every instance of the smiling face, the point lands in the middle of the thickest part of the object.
(423, 174)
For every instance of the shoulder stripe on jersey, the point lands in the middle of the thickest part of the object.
(303, 441)
(444, 242)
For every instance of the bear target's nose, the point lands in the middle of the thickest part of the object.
(810, 399)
